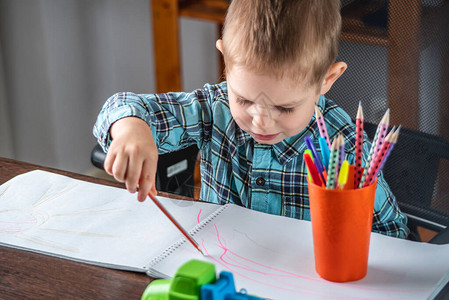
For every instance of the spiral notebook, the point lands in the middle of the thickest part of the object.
(269, 256)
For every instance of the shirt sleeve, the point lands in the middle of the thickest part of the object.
(387, 217)
(177, 120)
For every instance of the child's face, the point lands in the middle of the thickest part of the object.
(267, 108)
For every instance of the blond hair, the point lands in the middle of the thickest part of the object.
(297, 39)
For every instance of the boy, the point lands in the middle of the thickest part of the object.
(280, 61)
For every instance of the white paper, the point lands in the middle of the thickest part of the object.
(272, 256)
(269, 256)
(61, 216)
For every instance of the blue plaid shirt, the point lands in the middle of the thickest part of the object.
(234, 167)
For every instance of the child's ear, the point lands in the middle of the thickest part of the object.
(332, 75)
(219, 45)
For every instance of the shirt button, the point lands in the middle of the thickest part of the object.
(260, 181)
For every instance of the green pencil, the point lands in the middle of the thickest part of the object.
(330, 183)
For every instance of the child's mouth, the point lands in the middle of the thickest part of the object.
(263, 137)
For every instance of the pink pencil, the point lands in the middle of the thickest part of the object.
(322, 126)
(377, 162)
(394, 140)
(358, 146)
(383, 128)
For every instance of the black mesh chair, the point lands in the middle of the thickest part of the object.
(398, 57)
(417, 173)
(174, 171)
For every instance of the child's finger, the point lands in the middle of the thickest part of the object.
(147, 180)
(108, 162)
(153, 190)
(133, 174)
(119, 167)
(145, 187)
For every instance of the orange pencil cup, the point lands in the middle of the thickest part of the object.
(341, 227)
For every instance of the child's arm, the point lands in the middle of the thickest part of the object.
(133, 155)
(388, 218)
(134, 128)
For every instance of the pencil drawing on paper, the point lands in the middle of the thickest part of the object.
(250, 267)
(29, 222)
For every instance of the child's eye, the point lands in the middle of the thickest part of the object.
(285, 109)
(242, 101)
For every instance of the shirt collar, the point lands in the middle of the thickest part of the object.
(291, 146)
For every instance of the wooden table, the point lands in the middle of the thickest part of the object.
(28, 275)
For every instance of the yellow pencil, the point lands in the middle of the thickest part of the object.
(343, 175)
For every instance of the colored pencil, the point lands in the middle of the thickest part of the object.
(307, 151)
(377, 161)
(316, 158)
(358, 146)
(343, 175)
(311, 169)
(371, 152)
(330, 183)
(382, 133)
(173, 220)
(325, 152)
(394, 140)
(322, 125)
(341, 152)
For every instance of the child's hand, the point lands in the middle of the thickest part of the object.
(132, 156)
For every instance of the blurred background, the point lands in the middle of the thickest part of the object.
(61, 59)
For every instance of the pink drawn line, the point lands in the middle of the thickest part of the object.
(299, 290)
(225, 264)
(248, 268)
(252, 279)
(226, 250)
(256, 263)
(198, 218)
(10, 230)
(295, 287)
(14, 222)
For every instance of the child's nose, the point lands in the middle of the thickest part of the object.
(262, 118)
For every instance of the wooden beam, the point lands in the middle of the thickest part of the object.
(404, 20)
(166, 45)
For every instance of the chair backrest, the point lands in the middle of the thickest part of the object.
(417, 172)
(174, 171)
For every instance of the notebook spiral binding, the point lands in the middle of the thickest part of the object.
(181, 241)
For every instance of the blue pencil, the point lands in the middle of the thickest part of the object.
(325, 152)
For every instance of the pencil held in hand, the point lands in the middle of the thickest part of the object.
(173, 220)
